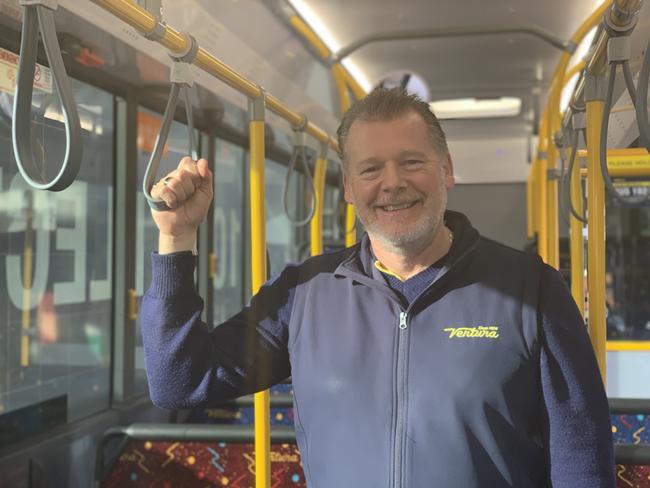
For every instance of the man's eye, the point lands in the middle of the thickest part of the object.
(368, 170)
(411, 162)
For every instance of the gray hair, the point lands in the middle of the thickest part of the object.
(388, 104)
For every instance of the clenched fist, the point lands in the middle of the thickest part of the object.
(187, 191)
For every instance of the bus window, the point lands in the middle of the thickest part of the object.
(229, 204)
(56, 272)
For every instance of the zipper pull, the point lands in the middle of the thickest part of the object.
(402, 321)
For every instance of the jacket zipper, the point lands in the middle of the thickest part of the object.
(400, 421)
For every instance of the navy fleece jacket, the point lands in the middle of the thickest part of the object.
(559, 438)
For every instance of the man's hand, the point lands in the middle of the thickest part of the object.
(187, 191)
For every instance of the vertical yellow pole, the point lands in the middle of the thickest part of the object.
(28, 260)
(350, 226)
(553, 124)
(341, 88)
(340, 78)
(356, 88)
(596, 222)
(553, 246)
(577, 241)
(319, 188)
(258, 260)
(548, 226)
(542, 208)
(530, 198)
(534, 197)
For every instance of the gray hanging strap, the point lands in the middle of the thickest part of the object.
(40, 13)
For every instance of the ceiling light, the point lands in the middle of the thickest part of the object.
(567, 92)
(585, 44)
(476, 108)
(581, 52)
(321, 30)
(357, 74)
(316, 24)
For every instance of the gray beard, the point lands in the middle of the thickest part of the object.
(407, 245)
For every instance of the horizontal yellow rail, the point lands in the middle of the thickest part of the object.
(628, 346)
(310, 36)
(323, 51)
(634, 162)
(176, 42)
(622, 172)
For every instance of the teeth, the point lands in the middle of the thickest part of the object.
(392, 208)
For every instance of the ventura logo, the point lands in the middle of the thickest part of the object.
(488, 332)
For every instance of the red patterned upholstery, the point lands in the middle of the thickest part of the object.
(632, 476)
(194, 464)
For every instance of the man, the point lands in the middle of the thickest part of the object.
(425, 356)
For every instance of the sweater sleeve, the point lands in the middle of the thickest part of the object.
(578, 435)
(189, 365)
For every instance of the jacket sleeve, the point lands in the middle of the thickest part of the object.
(189, 365)
(577, 431)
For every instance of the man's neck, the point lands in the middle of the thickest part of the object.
(408, 264)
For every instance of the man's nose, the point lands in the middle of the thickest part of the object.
(392, 177)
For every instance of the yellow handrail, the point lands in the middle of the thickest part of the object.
(615, 172)
(552, 118)
(628, 346)
(258, 262)
(343, 80)
(28, 259)
(358, 92)
(324, 52)
(319, 189)
(542, 191)
(577, 68)
(629, 162)
(530, 198)
(341, 88)
(175, 41)
(553, 226)
(344, 99)
(576, 242)
(310, 36)
(596, 236)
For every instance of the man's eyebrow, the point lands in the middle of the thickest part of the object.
(400, 156)
(370, 160)
(412, 154)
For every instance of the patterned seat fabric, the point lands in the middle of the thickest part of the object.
(195, 464)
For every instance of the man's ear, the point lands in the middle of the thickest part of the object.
(448, 168)
(347, 194)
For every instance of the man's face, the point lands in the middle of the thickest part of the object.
(397, 181)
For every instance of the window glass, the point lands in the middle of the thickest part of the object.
(229, 229)
(627, 278)
(281, 236)
(146, 237)
(56, 271)
(331, 229)
(319, 86)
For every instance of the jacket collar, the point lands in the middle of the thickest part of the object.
(359, 265)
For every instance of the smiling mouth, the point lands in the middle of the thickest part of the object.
(395, 208)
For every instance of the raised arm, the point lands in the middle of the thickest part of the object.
(187, 363)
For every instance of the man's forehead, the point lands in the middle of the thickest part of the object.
(409, 117)
(406, 132)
